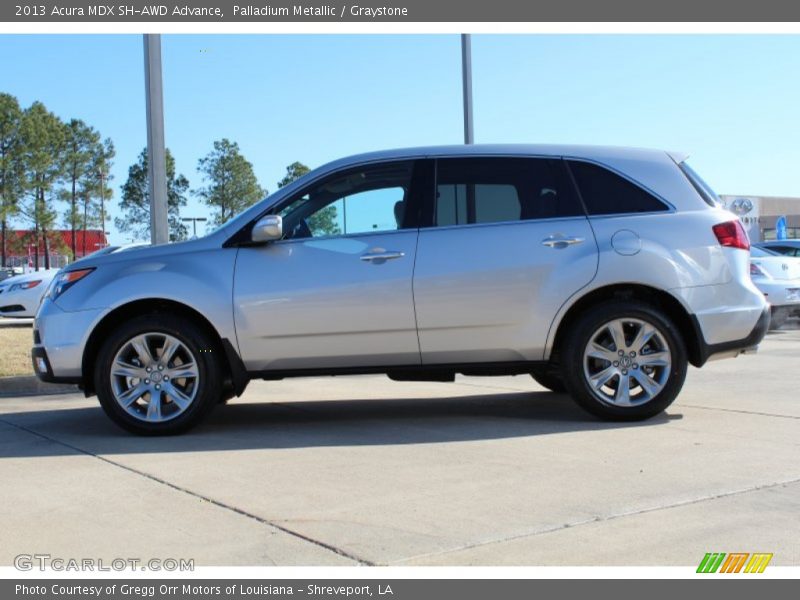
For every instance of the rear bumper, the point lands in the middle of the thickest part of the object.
(707, 351)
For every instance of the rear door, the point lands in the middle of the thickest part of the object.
(507, 244)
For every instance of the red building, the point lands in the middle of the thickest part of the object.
(21, 246)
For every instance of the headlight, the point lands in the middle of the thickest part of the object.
(25, 286)
(66, 280)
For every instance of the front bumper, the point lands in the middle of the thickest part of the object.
(59, 341)
(43, 370)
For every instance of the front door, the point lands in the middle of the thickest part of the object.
(336, 292)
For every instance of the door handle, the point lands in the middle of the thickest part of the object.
(559, 241)
(381, 257)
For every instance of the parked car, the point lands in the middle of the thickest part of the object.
(778, 278)
(20, 295)
(600, 271)
(787, 247)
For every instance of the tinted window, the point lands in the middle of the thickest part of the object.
(761, 252)
(788, 250)
(606, 193)
(491, 190)
(370, 199)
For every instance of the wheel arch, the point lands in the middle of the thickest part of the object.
(660, 299)
(234, 373)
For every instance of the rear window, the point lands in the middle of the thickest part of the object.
(493, 190)
(606, 193)
(706, 193)
(761, 252)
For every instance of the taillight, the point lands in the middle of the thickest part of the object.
(757, 271)
(732, 235)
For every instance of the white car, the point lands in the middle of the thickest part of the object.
(778, 278)
(20, 295)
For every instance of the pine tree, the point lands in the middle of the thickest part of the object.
(323, 221)
(42, 146)
(232, 184)
(135, 201)
(10, 117)
(81, 146)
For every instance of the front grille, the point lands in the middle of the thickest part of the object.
(36, 338)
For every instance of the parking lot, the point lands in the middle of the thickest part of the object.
(348, 470)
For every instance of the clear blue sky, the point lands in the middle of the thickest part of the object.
(730, 101)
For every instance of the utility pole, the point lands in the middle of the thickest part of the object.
(156, 152)
(102, 176)
(194, 221)
(466, 75)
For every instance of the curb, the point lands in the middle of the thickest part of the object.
(30, 385)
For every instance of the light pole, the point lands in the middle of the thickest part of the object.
(102, 176)
(156, 152)
(466, 75)
(194, 221)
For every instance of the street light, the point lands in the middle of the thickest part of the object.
(194, 221)
(102, 176)
(466, 76)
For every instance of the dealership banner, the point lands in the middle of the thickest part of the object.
(407, 11)
(394, 589)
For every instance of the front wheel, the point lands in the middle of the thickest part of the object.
(624, 361)
(549, 380)
(158, 375)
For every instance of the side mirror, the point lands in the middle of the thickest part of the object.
(267, 229)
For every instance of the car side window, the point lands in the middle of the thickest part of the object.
(368, 199)
(606, 193)
(492, 190)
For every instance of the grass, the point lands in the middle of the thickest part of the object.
(15, 350)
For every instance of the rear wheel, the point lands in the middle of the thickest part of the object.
(624, 361)
(158, 375)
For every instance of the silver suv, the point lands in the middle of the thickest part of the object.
(602, 272)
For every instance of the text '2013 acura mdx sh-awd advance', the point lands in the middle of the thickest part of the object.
(602, 272)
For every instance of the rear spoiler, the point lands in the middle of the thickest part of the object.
(678, 157)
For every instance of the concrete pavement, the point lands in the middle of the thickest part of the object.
(353, 470)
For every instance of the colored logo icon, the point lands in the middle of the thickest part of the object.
(734, 562)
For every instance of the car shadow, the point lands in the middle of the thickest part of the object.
(308, 424)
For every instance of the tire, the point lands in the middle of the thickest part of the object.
(550, 380)
(652, 386)
(138, 345)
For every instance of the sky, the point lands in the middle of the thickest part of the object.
(730, 101)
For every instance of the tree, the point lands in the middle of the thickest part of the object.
(232, 185)
(10, 116)
(79, 161)
(323, 221)
(293, 172)
(135, 201)
(42, 138)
